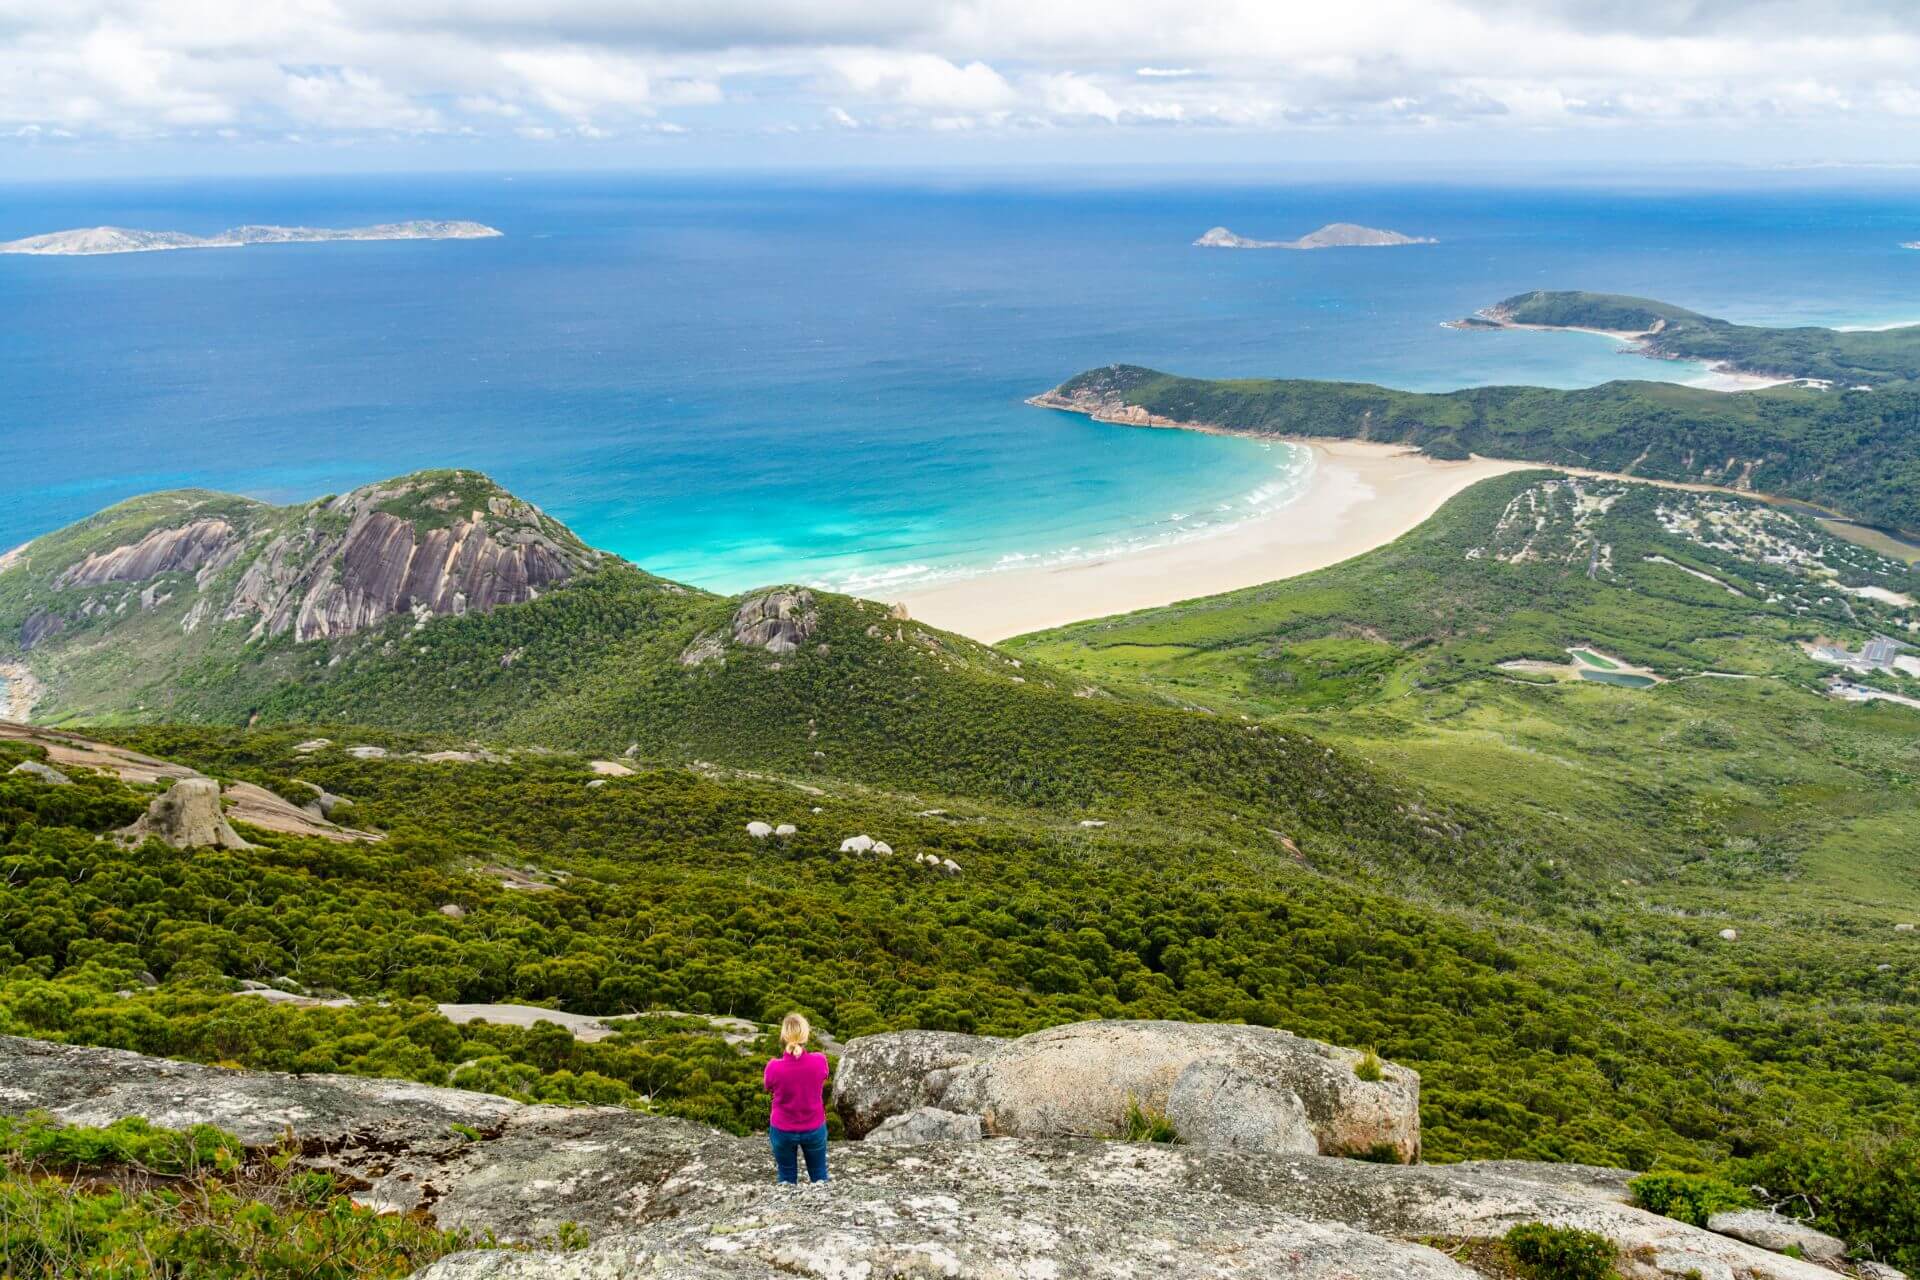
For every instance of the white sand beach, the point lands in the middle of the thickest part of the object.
(1361, 496)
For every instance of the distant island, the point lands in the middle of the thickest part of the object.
(86, 241)
(1335, 235)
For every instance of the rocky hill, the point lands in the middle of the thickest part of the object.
(148, 587)
(665, 1198)
(437, 602)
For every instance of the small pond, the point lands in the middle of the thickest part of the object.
(1622, 678)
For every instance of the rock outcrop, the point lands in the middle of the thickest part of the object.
(1779, 1233)
(187, 815)
(429, 545)
(927, 1124)
(779, 621)
(44, 772)
(665, 1198)
(185, 549)
(319, 582)
(1246, 1088)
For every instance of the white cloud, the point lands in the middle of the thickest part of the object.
(579, 68)
(576, 82)
(921, 80)
(352, 100)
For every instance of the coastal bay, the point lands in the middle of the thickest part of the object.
(1361, 496)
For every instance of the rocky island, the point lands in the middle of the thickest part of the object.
(88, 241)
(1335, 235)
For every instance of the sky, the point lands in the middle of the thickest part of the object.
(137, 87)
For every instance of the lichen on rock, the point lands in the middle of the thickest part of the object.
(187, 815)
(666, 1198)
(1249, 1088)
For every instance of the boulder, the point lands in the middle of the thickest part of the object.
(667, 1199)
(324, 802)
(883, 1076)
(312, 745)
(1903, 928)
(187, 816)
(367, 753)
(44, 772)
(1878, 1271)
(759, 830)
(785, 829)
(1685, 1264)
(1248, 1088)
(882, 847)
(453, 911)
(927, 1124)
(856, 844)
(1777, 1232)
(779, 621)
(1730, 935)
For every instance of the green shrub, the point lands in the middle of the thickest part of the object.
(1687, 1197)
(1368, 1068)
(132, 1199)
(1865, 1190)
(1560, 1253)
(39, 1139)
(1144, 1124)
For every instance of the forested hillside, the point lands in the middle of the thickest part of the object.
(1849, 356)
(1857, 452)
(1385, 805)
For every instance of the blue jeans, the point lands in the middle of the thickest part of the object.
(788, 1142)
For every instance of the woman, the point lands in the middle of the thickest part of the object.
(799, 1119)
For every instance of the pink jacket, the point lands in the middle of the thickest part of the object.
(795, 1081)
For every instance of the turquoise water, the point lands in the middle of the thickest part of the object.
(743, 381)
(1622, 678)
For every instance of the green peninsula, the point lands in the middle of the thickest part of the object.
(1838, 446)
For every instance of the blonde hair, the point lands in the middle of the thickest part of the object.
(795, 1031)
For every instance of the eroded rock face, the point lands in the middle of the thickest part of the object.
(779, 621)
(319, 584)
(40, 625)
(665, 1198)
(187, 816)
(187, 548)
(429, 545)
(1250, 1088)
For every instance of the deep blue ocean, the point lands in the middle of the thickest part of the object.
(737, 381)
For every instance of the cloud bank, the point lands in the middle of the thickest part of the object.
(341, 70)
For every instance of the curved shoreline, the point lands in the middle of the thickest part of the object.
(1362, 495)
(1717, 375)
